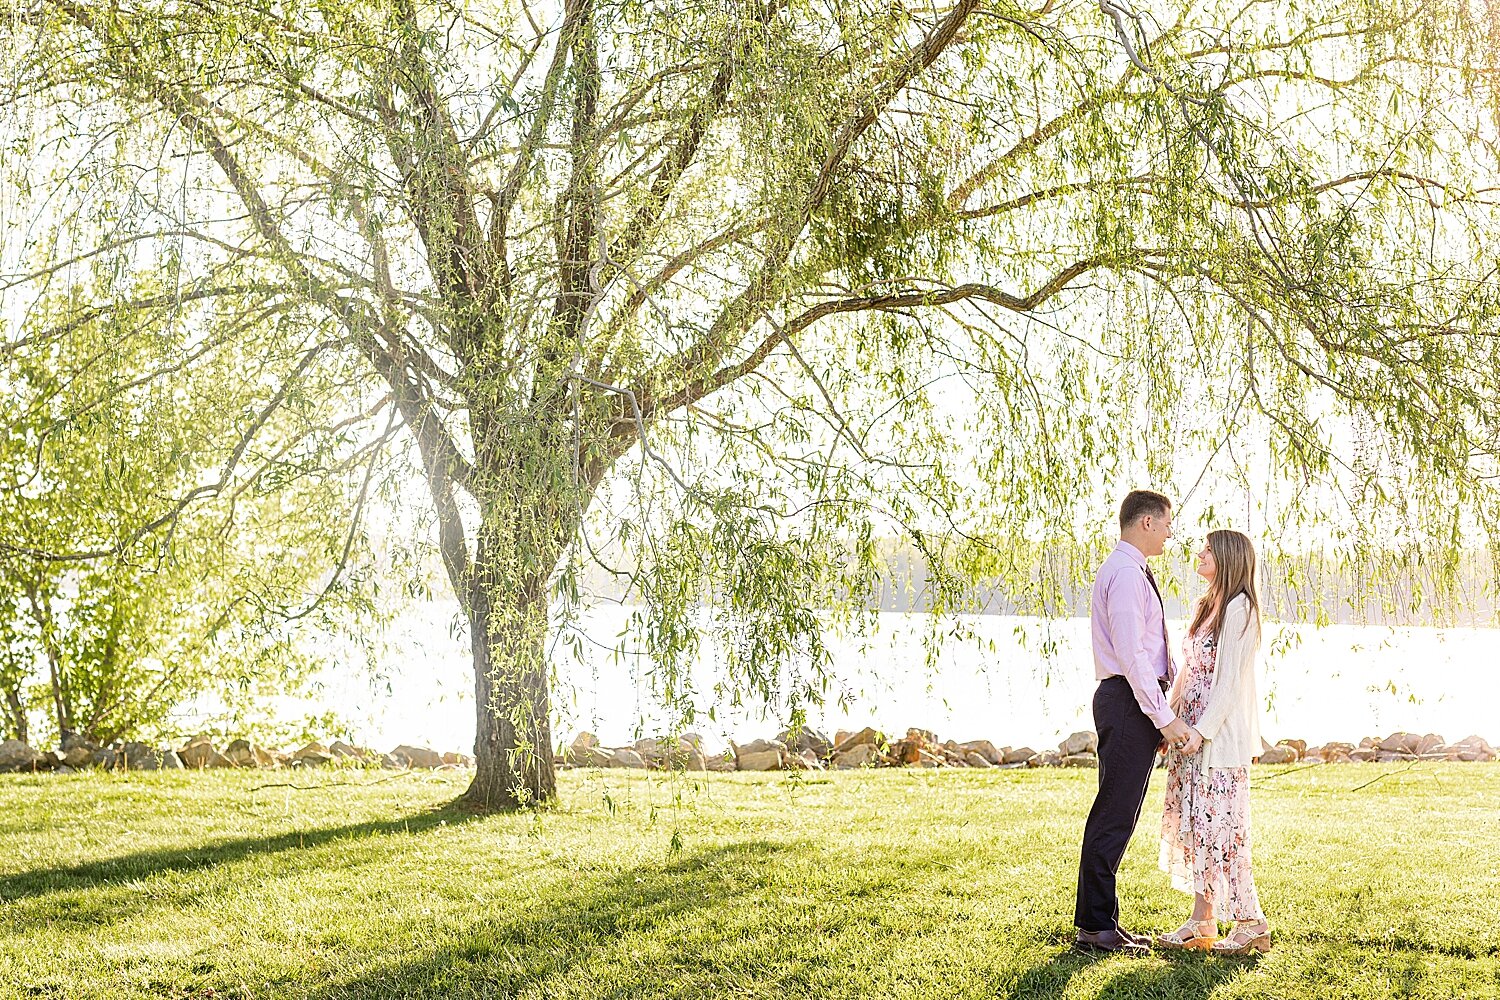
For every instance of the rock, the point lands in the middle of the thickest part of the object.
(200, 753)
(583, 751)
(419, 756)
(1474, 748)
(985, 749)
(627, 757)
(1080, 760)
(1278, 755)
(926, 759)
(316, 755)
(719, 761)
(170, 761)
(906, 751)
(1362, 754)
(859, 755)
(1020, 755)
(1299, 745)
(669, 755)
(841, 736)
(264, 757)
(1400, 743)
(805, 761)
(240, 753)
(49, 762)
(1084, 742)
(79, 756)
(1047, 758)
(758, 746)
(974, 759)
(140, 757)
(106, 758)
(1393, 756)
(807, 738)
(598, 757)
(453, 759)
(758, 760)
(65, 769)
(1369, 743)
(865, 737)
(339, 750)
(1429, 743)
(18, 755)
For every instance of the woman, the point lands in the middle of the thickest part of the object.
(1205, 833)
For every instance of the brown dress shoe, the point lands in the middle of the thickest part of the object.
(1131, 936)
(1110, 941)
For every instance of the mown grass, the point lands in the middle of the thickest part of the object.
(858, 885)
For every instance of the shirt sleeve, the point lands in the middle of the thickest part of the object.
(1127, 624)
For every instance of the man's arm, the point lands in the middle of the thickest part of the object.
(1127, 626)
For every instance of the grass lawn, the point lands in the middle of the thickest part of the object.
(858, 885)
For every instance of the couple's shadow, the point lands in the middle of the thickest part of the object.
(1188, 975)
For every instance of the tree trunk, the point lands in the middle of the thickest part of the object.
(527, 517)
(41, 613)
(16, 714)
(513, 733)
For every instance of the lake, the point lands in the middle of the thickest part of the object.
(1338, 682)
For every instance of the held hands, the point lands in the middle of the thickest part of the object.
(1180, 736)
(1194, 742)
(1173, 733)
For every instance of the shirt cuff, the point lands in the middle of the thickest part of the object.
(1163, 719)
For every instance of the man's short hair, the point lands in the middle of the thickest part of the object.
(1142, 503)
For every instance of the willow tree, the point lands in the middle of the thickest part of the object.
(752, 285)
(148, 572)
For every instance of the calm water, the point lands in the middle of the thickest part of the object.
(1340, 682)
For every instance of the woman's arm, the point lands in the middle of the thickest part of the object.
(1235, 655)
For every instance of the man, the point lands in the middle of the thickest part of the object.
(1131, 714)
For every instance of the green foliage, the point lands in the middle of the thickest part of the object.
(121, 622)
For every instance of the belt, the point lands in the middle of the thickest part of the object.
(1165, 684)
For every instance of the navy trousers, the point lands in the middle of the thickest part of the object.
(1127, 751)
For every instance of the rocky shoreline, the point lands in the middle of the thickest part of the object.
(77, 753)
(809, 750)
(802, 750)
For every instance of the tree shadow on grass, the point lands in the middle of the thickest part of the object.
(754, 918)
(692, 925)
(1180, 976)
(41, 882)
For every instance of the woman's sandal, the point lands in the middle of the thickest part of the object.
(1243, 941)
(1190, 936)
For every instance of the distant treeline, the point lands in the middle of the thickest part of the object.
(1358, 587)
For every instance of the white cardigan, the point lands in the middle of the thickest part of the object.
(1230, 724)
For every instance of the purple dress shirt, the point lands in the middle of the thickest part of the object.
(1129, 633)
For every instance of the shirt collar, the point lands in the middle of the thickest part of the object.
(1132, 553)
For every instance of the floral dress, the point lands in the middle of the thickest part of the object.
(1205, 825)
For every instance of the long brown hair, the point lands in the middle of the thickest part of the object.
(1234, 574)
